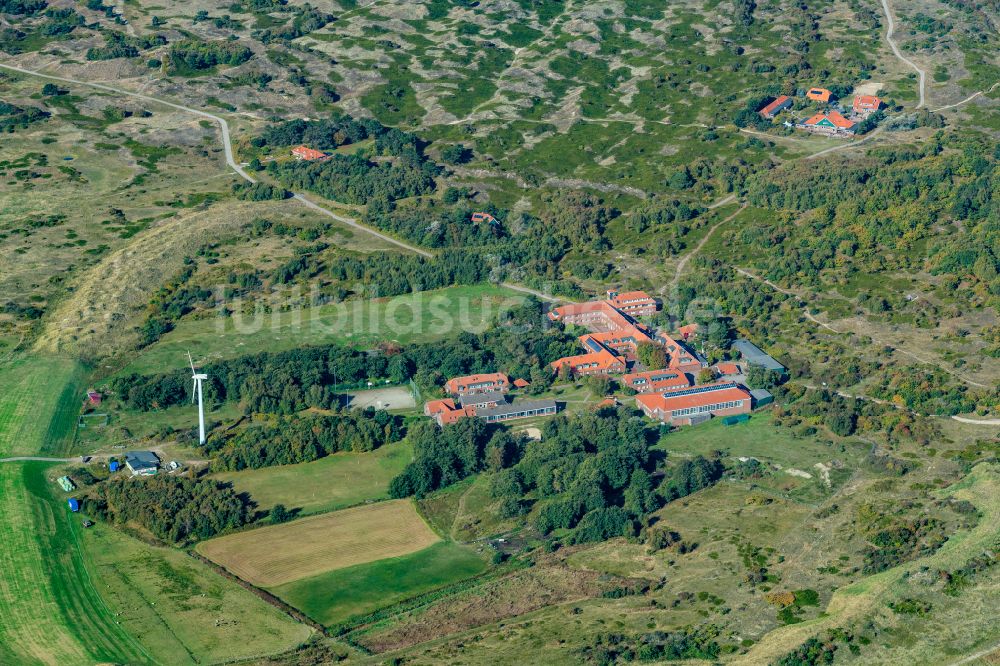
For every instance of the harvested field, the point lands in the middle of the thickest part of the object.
(318, 544)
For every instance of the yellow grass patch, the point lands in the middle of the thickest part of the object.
(280, 554)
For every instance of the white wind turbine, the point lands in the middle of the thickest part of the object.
(197, 379)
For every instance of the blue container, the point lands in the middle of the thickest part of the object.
(73, 504)
(113, 465)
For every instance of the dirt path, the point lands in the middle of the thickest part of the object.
(808, 315)
(227, 145)
(891, 28)
(682, 264)
(38, 459)
(968, 99)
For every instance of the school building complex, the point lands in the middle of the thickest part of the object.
(610, 347)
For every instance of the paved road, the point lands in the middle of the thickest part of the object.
(890, 28)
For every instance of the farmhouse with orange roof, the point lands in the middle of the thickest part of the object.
(819, 94)
(865, 105)
(831, 124)
(307, 154)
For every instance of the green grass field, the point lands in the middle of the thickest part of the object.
(184, 612)
(328, 484)
(38, 405)
(50, 610)
(420, 317)
(335, 596)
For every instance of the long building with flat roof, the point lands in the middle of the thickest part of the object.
(687, 406)
(754, 355)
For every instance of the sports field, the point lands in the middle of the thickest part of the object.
(337, 595)
(272, 556)
(330, 483)
(420, 317)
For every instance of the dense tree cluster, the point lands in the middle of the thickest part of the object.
(119, 45)
(355, 179)
(286, 440)
(175, 509)
(286, 382)
(875, 215)
(22, 7)
(326, 134)
(194, 54)
(260, 192)
(589, 473)
(434, 224)
(847, 416)
(442, 456)
(700, 643)
(391, 275)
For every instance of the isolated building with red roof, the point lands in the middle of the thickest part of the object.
(779, 104)
(865, 105)
(819, 94)
(308, 154)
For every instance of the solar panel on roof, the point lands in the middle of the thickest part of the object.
(594, 345)
(698, 389)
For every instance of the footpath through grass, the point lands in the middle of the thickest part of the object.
(327, 484)
(338, 595)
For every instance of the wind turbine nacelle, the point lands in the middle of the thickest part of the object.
(199, 377)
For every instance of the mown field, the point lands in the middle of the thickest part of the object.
(50, 609)
(420, 317)
(279, 554)
(330, 483)
(338, 595)
(39, 404)
(184, 612)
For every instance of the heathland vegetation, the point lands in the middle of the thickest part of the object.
(611, 145)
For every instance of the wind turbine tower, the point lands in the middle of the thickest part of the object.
(198, 378)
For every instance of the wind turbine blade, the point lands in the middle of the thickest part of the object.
(191, 361)
(194, 390)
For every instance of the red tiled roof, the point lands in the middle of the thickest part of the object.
(521, 383)
(778, 101)
(667, 402)
(839, 120)
(728, 368)
(833, 117)
(656, 379)
(819, 94)
(307, 153)
(688, 330)
(867, 103)
(445, 418)
(455, 384)
(438, 406)
(603, 359)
